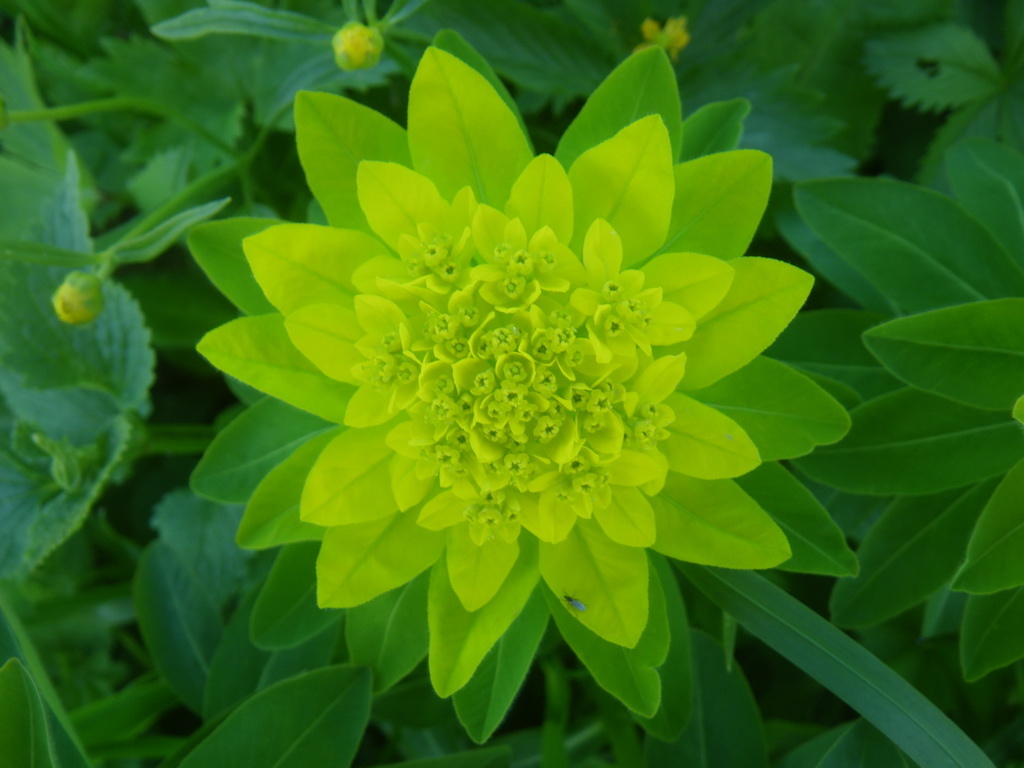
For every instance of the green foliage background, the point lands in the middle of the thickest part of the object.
(134, 631)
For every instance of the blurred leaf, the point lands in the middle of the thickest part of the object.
(872, 224)
(23, 728)
(835, 660)
(389, 633)
(233, 17)
(725, 728)
(972, 353)
(286, 612)
(993, 553)
(484, 701)
(715, 127)
(818, 544)
(862, 745)
(316, 718)
(991, 636)
(251, 445)
(935, 67)
(908, 554)
(202, 535)
(124, 715)
(150, 244)
(490, 757)
(913, 442)
(178, 621)
(236, 664)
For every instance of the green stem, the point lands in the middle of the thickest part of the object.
(177, 439)
(556, 715)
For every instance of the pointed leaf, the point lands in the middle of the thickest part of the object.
(23, 734)
(542, 197)
(990, 637)
(477, 571)
(217, 248)
(705, 443)
(715, 127)
(994, 561)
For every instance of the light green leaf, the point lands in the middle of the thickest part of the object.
(990, 637)
(351, 480)
(316, 718)
(610, 579)
(879, 694)
(705, 443)
(148, 245)
(908, 554)
(719, 202)
(24, 740)
(389, 633)
(235, 17)
(334, 135)
(477, 571)
(644, 84)
(217, 248)
(542, 196)
(1018, 409)
(725, 729)
(628, 674)
(252, 444)
(764, 296)
(459, 640)
(783, 411)
(483, 702)
(913, 442)
(818, 544)
(178, 621)
(873, 225)
(257, 351)
(994, 561)
(461, 133)
(973, 353)
(715, 522)
(285, 613)
(359, 562)
(626, 180)
(715, 127)
(271, 517)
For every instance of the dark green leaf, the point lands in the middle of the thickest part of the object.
(994, 559)
(24, 741)
(124, 715)
(862, 745)
(715, 127)
(991, 636)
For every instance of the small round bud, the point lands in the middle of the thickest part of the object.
(357, 46)
(79, 299)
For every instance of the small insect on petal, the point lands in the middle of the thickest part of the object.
(574, 603)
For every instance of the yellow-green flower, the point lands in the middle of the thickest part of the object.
(357, 46)
(79, 299)
(672, 37)
(515, 349)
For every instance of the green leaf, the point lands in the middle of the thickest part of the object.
(725, 729)
(862, 745)
(47, 255)
(217, 248)
(252, 444)
(628, 674)
(781, 410)
(973, 353)
(935, 67)
(316, 718)
(990, 637)
(993, 554)
(285, 613)
(236, 665)
(719, 202)
(201, 534)
(461, 132)
(677, 669)
(459, 640)
(715, 522)
(257, 350)
(988, 179)
(703, 442)
(389, 633)
(1018, 409)
(836, 661)
(828, 342)
(644, 84)
(124, 715)
(912, 442)
(818, 544)
(148, 245)
(715, 127)
(178, 621)
(271, 517)
(873, 225)
(334, 135)
(627, 181)
(24, 740)
(234, 17)
(490, 757)
(908, 554)
(483, 702)
(764, 296)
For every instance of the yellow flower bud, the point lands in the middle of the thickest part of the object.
(357, 46)
(79, 299)
(673, 37)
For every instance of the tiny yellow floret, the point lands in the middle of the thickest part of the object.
(673, 37)
(357, 46)
(79, 299)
